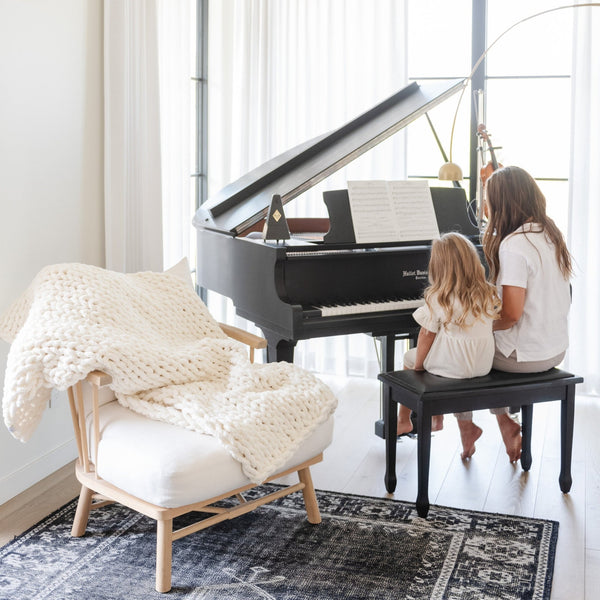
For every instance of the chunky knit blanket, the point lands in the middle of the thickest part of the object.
(168, 359)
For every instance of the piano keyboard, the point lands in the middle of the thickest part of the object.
(369, 307)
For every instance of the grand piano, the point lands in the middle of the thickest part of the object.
(319, 282)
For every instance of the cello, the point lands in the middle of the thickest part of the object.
(493, 163)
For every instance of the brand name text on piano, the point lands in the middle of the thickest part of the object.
(417, 274)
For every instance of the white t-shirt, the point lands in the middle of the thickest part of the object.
(457, 352)
(529, 261)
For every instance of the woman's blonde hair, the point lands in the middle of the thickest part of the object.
(513, 199)
(456, 274)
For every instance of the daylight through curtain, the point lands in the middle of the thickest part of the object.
(584, 240)
(281, 73)
(132, 153)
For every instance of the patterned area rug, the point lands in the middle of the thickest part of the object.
(364, 548)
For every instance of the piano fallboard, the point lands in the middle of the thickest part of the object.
(341, 276)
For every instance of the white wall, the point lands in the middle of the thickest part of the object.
(51, 181)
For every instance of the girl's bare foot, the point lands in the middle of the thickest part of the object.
(404, 426)
(437, 422)
(511, 436)
(469, 434)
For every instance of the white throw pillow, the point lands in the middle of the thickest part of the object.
(182, 270)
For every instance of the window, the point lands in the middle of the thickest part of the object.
(526, 99)
(529, 94)
(439, 47)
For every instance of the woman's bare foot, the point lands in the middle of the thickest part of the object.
(511, 436)
(469, 434)
(437, 422)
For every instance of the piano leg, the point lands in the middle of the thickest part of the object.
(388, 358)
(388, 352)
(278, 349)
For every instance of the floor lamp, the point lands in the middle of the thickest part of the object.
(451, 171)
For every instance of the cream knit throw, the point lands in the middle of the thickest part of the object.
(167, 357)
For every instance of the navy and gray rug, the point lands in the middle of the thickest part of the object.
(364, 548)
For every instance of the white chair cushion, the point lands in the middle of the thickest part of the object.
(170, 466)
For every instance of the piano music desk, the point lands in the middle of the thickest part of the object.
(429, 395)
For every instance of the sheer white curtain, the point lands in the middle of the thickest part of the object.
(176, 43)
(584, 240)
(148, 121)
(281, 73)
(132, 158)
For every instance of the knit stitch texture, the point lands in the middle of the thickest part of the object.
(168, 359)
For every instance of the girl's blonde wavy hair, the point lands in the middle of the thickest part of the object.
(456, 274)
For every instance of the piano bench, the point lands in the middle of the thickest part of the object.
(429, 395)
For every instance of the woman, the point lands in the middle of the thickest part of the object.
(529, 262)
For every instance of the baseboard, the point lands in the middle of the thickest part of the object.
(33, 472)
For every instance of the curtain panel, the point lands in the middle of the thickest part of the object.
(583, 357)
(176, 42)
(132, 144)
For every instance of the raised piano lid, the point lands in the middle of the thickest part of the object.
(244, 202)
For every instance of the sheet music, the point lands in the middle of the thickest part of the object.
(371, 211)
(392, 211)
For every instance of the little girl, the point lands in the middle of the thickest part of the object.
(455, 339)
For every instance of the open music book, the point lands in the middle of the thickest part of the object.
(392, 211)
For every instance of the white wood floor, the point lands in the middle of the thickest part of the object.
(355, 463)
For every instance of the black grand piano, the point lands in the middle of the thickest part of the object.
(320, 282)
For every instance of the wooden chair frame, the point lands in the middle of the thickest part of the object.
(96, 492)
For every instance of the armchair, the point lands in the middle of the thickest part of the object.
(164, 471)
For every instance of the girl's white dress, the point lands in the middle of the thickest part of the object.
(456, 352)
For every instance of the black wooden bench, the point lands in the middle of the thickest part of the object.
(429, 395)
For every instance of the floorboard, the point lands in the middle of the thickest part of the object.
(28, 508)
